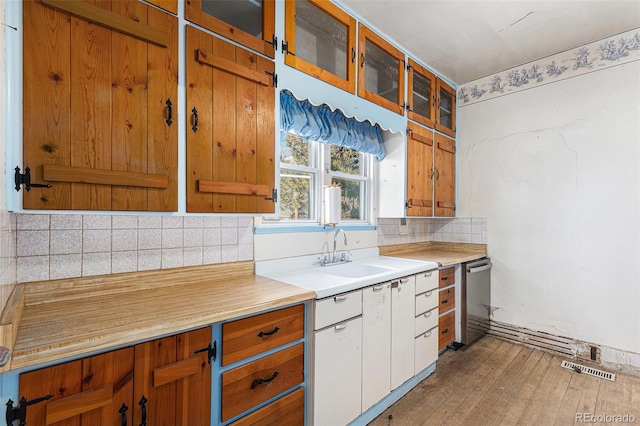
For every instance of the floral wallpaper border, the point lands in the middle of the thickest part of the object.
(612, 51)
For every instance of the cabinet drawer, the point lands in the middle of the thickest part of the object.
(338, 308)
(426, 301)
(447, 329)
(288, 410)
(425, 349)
(425, 321)
(447, 277)
(250, 336)
(255, 382)
(447, 299)
(426, 281)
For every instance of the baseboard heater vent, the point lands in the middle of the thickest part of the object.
(588, 370)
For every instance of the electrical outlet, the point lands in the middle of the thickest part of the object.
(403, 229)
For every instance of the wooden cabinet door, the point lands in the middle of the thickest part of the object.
(403, 294)
(97, 390)
(231, 127)
(172, 383)
(445, 176)
(376, 344)
(100, 97)
(419, 171)
(446, 108)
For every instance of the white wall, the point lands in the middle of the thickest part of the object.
(556, 171)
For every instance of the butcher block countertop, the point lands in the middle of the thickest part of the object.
(444, 254)
(65, 318)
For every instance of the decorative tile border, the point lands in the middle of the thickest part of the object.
(595, 56)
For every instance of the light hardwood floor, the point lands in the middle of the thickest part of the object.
(495, 382)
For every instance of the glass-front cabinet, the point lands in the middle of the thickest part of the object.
(250, 23)
(421, 94)
(381, 71)
(446, 112)
(320, 40)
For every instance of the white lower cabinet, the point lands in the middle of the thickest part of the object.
(337, 383)
(376, 344)
(403, 294)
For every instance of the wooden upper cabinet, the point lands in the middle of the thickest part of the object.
(92, 391)
(380, 71)
(421, 94)
(168, 5)
(444, 176)
(250, 23)
(446, 108)
(231, 127)
(419, 171)
(320, 40)
(100, 97)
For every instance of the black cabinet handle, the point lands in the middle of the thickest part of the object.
(445, 301)
(353, 54)
(268, 333)
(361, 60)
(143, 405)
(445, 331)
(169, 112)
(257, 382)
(123, 413)
(194, 120)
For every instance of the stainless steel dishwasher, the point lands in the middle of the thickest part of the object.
(476, 300)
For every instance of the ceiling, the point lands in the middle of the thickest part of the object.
(464, 40)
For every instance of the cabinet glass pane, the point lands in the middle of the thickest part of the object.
(445, 108)
(243, 14)
(421, 95)
(381, 72)
(321, 39)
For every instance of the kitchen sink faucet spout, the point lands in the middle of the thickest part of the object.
(335, 237)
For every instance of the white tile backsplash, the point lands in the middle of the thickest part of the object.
(61, 246)
(452, 230)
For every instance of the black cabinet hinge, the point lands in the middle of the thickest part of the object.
(25, 179)
(274, 196)
(20, 412)
(273, 42)
(274, 78)
(211, 350)
(285, 49)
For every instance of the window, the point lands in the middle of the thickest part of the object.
(306, 166)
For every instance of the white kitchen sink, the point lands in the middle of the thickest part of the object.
(355, 270)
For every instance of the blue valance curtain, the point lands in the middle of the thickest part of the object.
(320, 124)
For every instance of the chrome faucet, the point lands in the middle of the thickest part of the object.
(335, 236)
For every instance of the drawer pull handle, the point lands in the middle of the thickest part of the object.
(427, 314)
(428, 274)
(377, 288)
(445, 331)
(341, 327)
(445, 301)
(446, 277)
(404, 280)
(257, 382)
(268, 333)
(427, 334)
(340, 298)
(428, 294)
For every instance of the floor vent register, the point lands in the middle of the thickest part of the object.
(588, 370)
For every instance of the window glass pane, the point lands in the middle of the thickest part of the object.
(296, 198)
(381, 72)
(345, 160)
(321, 39)
(352, 198)
(421, 95)
(445, 108)
(294, 150)
(243, 14)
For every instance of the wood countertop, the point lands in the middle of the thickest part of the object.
(444, 254)
(65, 318)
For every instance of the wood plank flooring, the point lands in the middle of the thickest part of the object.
(495, 382)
